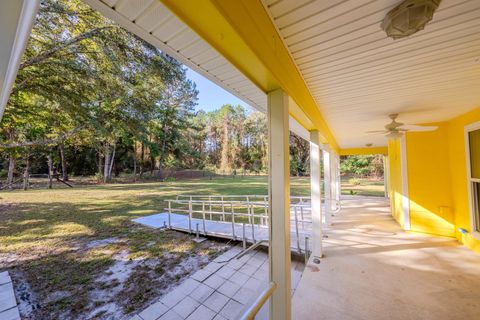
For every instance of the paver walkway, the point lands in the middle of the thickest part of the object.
(8, 303)
(221, 290)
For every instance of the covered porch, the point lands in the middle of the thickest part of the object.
(375, 270)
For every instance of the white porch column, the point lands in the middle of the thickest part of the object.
(385, 176)
(316, 194)
(334, 176)
(279, 204)
(338, 178)
(328, 187)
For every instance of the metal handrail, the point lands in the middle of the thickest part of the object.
(252, 247)
(253, 309)
(251, 214)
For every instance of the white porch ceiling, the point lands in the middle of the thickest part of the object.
(358, 76)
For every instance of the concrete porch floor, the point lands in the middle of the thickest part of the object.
(374, 270)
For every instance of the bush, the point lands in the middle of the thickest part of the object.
(354, 181)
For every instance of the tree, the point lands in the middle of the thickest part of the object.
(81, 70)
(362, 165)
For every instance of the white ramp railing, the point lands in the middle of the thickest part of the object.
(250, 212)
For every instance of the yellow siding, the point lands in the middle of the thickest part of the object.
(458, 175)
(429, 188)
(367, 151)
(437, 180)
(395, 180)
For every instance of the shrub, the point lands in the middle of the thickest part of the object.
(354, 181)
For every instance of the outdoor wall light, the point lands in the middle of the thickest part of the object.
(409, 17)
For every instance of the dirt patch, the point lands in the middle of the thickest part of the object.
(109, 278)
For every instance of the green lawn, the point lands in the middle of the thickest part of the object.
(366, 187)
(49, 241)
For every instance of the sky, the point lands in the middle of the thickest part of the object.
(211, 96)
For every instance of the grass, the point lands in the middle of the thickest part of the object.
(363, 187)
(46, 239)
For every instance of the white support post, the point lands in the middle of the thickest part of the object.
(339, 179)
(328, 187)
(336, 183)
(279, 204)
(385, 176)
(316, 194)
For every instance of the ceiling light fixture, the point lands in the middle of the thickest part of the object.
(409, 17)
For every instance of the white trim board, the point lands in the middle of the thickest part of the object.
(405, 195)
(467, 129)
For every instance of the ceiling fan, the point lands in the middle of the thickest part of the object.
(396, 129)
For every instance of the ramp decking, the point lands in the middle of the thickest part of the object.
(226, 230)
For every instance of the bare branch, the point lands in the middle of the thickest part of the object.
(42, 142)
(48, 53)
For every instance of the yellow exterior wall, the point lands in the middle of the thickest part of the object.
(437, 180)
(363, 151)
(458, 176)
(429, 187)
(395, 181)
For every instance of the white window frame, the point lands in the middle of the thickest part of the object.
(473, 226)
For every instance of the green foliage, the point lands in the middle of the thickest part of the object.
(101, 101)
(362, 165)
(354, 181)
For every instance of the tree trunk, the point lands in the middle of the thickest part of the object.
(100, 164)
(26, 174)
(142, 159)
(152, 165)
(50, 169)
(106, 163)
(11, 163)
(62, 159)
(134, 161)
(112, 159)
(11, 168)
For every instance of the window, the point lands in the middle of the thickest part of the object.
(476, 205)
(472, 140)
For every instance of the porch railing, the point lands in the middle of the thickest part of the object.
(259, 301)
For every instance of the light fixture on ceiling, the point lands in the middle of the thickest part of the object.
(409, 17)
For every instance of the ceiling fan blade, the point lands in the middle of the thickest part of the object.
(377, 131)
(415, 128)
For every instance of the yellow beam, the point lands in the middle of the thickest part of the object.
(363, 151)
(242, 32)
